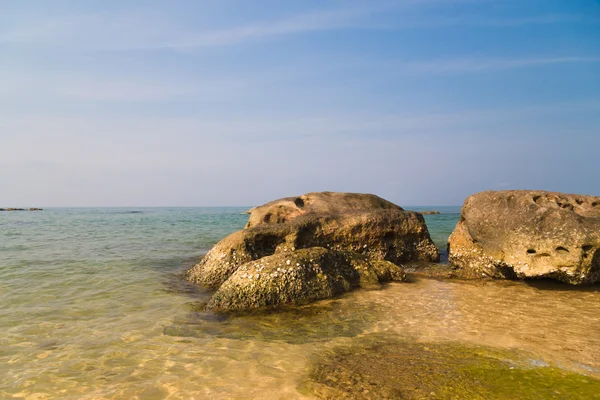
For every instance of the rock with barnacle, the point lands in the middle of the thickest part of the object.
(300, 277)
(381, 232)
(357, 225)
(528, 234)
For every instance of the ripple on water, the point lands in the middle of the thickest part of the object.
(323, 321)
(96, 308)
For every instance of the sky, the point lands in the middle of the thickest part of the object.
(239, 102)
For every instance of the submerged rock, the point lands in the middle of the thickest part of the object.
(528, 234)
(383, 232)
(298, 324)
(387, 367)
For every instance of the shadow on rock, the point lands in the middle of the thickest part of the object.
(552, 285)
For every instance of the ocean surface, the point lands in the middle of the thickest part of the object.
(93, 306)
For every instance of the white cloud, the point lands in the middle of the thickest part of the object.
(151, 31)
(140, 29)
(459, 65)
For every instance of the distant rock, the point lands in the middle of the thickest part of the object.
(342, 230)
(528, 234)
(429, 212)
(20, 209)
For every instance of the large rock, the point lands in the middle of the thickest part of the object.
(392, 235)
(288, 208)
(528, 234)
(359, 240)
(299, 277)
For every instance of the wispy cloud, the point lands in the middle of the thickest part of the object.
(146, 31)
(475, 20)
(463, 65)
(136, 29)
(317, 21)
(96, 86)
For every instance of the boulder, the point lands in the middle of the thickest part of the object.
(334, 242)
(528, 234)
(288, 208)
(392, 235)
(298, 277)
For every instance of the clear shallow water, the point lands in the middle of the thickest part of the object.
(92, 305)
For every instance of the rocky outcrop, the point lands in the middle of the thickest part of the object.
(20, 209)
(528, 234)
(288, 208)
(379, 235)
(299, 277)
(392, 235)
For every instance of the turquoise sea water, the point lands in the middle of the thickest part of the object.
(93, 305)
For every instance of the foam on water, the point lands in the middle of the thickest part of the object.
(92, 305)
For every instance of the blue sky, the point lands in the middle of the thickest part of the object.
(197, 103)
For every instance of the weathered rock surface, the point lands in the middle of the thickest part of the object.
(288, 208)
(299, 277)
(528, 234)
(392, 235)
(356, 237)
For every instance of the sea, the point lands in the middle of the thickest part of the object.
(93, 305)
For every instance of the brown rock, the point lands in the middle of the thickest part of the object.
(288, 208)
(392, 235)
(299, 277)
(528, 234)
(334, 242)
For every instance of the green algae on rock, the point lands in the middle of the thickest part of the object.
(386, 367)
